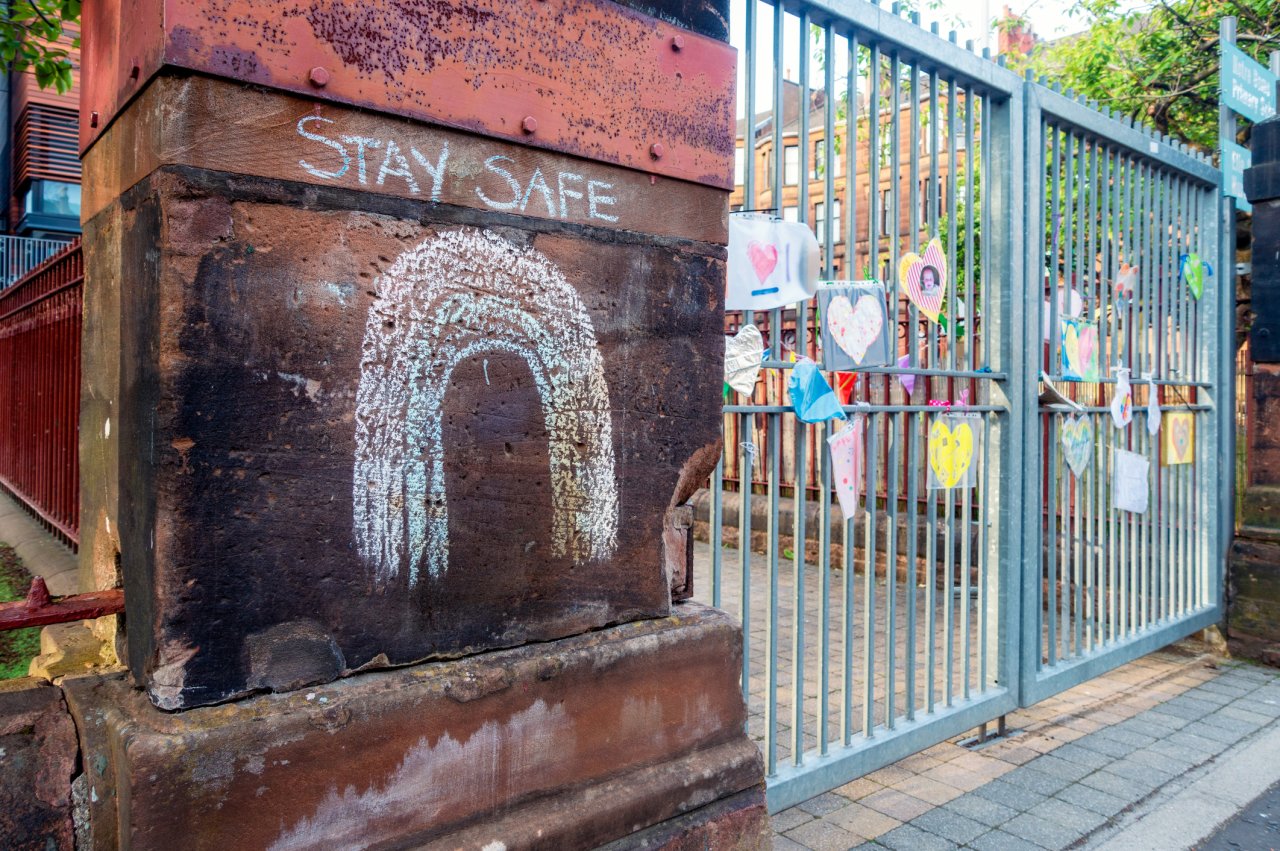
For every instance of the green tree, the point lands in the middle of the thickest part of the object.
(1157, 64)
(29, 33)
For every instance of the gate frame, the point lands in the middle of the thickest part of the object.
(1036, 683)
(1013, 179)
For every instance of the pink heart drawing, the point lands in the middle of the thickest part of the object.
(855, 327)
(924, 277)
(1088, 352)
(763, 257)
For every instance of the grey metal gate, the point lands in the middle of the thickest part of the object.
(933, 611)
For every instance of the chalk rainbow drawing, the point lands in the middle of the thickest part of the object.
(460, 294)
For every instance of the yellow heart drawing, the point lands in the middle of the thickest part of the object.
(950, 452)
(1071, 346)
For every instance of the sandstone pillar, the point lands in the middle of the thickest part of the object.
(1255, 559)
(404, 348)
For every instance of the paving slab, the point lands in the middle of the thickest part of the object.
(1156, 754)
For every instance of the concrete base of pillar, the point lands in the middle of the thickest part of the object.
(632, 734)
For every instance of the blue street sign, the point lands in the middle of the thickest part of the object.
(1247, 87)
(1235, 159)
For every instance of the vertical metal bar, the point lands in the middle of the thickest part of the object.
(746, 473)
(717, 531)
(773, 459)
(911, 421)
(851, 179)
(869, 579)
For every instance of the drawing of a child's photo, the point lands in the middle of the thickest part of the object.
(930, 281)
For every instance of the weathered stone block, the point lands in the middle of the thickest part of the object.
(37, 759)
(563, 745)
(1254, 569)
(357, 431)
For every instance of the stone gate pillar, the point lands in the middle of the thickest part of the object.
(1255, 556)
(403, 355)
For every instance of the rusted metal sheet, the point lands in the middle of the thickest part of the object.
(40, 609)
(585, 77)
(568, 744)
(225, 126)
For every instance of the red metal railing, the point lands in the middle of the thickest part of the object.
(40, 319)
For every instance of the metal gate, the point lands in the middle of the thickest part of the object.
(930, 612)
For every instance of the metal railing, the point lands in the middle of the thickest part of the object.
(931, 612)
(40, 322)
(19, 255)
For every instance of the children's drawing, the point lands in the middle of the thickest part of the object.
(1076, 436)
(923, 277)
(1126, 281)
(742, 355)
(772, 263)
(1194, 271)
(1079, 350)
(1179, 438)
(906, 379)
(1153, 406)
(1130, 488)
(459, 295)
(1122, 399)
(855, 325)
(953, 443)
(811, 396)
(845, 383)
(848, 453)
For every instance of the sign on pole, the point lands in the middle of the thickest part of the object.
(1247, 87)
(1235, 159)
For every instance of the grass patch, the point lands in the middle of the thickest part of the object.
(17, 646)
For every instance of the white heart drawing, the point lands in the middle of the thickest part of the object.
(855, 327)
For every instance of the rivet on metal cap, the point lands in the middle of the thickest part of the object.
(319, 77)
(530, 124)
(656, 150)
(677, 43)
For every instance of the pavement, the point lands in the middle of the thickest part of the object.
(1157, 754)
(40, 552)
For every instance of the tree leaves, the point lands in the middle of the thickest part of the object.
(33, 36)
(1158, 65)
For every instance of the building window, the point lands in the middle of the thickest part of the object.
(818, 170)
(791, 165)
(739, 166)
(884, 212)
(791, 214)
(820, 221)
(52, 198)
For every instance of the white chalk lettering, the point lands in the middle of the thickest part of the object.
(593, 200)
(362, 142)
(541, 182)
(436, 171)
(324, 140)
(491, 165)
(566, 192)
(401, 168)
